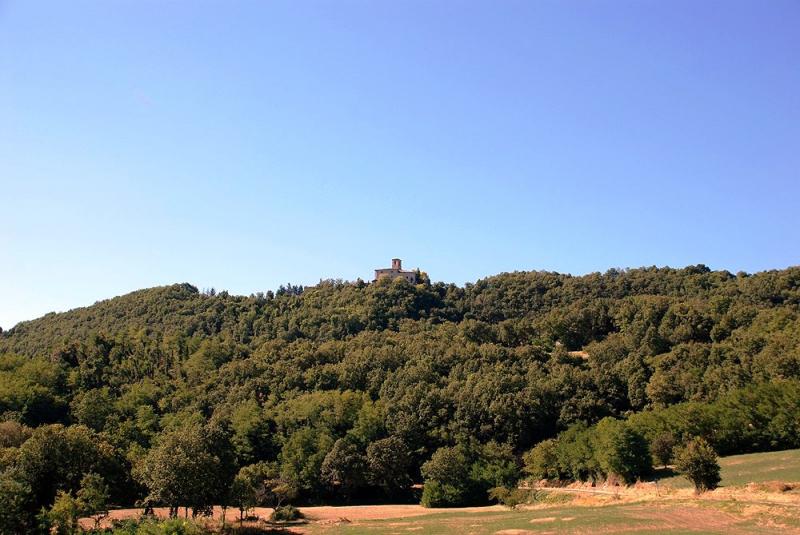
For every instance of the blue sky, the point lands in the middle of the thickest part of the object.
(242, 145)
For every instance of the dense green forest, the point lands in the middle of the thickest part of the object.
(352, 391)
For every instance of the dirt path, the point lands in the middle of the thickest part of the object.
(324, 514)
(379, 512)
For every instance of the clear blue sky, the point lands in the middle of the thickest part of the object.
(242, 145)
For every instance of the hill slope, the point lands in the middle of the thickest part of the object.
(181, 309)
(346, 389)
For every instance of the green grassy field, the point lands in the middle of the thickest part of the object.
(673, 518)
(738, 470)
(681, 515)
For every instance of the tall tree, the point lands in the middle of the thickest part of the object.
(182, 470)
(389, 461)
(344, 468)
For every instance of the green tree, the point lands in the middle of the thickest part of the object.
(302, 456)
(93, 408)
(243, 492)
(218, 440)
(389, 460)
(576, 454)
(62, 517)
(252, 433)
(447, 481)
(344, 468)
(16, 503)
(93, 498)
(622, 451)
(369, 424)
(56, 458)
(697, 461)
(181, 470)
(662, 447)
(31, 389)
(541, 461)
(261, 484)
(494, 466)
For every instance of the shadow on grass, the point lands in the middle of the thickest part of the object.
(663, 473)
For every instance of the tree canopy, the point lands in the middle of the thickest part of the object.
(349, 390)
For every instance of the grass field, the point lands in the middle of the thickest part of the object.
(733, 509)
(738, 470)
(738, 507)
(673, 518)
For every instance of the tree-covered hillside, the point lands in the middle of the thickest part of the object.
(345, 390)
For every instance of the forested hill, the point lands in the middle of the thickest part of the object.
(557, 306)
(382, 376)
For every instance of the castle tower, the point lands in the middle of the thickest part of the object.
(396, 271)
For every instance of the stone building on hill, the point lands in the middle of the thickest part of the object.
(396, 271)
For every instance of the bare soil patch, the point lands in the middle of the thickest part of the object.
(326, 515)
(383, 512)
(544, 519)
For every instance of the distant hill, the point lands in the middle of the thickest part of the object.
(142, 309)
(180, 309)
(347, 387)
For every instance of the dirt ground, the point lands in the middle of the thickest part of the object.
(319, 514)
(652, 508)
(381, 512)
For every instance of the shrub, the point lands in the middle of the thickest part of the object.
(438, 494)
(285, 513)
(511, 497)
(697, 461)
(177, 526)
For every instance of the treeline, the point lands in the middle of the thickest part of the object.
(352, 391)
(758, 418)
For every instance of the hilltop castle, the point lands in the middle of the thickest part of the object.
(396, 271)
